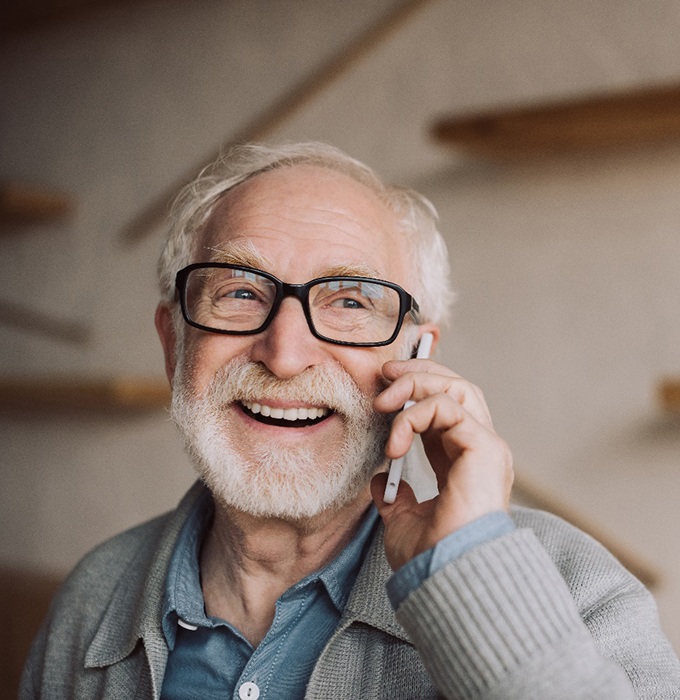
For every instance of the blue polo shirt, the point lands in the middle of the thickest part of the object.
(209, 658)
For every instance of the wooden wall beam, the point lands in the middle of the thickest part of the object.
(669, 394)
(618, 120)
(75, 393)
(22, 203)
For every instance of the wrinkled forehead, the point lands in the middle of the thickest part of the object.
(323, 215)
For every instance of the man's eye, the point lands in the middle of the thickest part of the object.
(346, 303)
(239, 294)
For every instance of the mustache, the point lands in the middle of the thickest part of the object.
(319, 385)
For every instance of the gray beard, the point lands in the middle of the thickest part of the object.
(270, 479)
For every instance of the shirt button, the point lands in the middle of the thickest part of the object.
(249, 691)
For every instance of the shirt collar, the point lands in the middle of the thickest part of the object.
(339, 575)
(183, 596)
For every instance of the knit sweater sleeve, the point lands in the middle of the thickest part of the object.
(523, 618)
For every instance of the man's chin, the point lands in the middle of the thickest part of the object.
(284, 486)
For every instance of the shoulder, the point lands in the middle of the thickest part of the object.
(566, 544)
(591, 572)
(122, 563)
(58, 653)
(134, 561)
(101, 568)
(113, 593)
(133, 554)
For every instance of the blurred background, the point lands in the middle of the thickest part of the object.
(546, 133)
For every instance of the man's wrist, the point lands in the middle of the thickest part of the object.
(480, 531)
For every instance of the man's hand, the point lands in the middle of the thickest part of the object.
(472, 464)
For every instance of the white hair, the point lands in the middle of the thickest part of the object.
(424, 244)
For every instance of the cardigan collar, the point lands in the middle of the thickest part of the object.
(134, 612)
(368, 602)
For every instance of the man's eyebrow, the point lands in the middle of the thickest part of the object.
(351, 270)
(244, 253)
(239, 253)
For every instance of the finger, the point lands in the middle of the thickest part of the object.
(396, 368)
(458, 429)
(460, 450)
(418, 386)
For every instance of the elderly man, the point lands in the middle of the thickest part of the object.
(296, 288)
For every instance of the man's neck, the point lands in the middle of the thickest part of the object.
(247, 563)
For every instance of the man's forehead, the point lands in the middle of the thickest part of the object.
(302, 187)
(346, 228)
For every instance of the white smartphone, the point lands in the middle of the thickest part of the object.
(397, 466)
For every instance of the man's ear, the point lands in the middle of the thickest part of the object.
(168, 337)
(428, 328)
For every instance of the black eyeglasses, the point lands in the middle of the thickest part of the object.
(240, 300)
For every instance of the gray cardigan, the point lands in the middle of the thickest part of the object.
(544, 612)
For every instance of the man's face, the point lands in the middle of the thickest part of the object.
(297, 223)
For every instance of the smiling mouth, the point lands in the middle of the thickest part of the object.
(286, 417)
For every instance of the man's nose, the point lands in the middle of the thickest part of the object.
(287, 347)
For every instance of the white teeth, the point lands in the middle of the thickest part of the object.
(289, 414)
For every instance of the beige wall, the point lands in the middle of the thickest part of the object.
(567, 271)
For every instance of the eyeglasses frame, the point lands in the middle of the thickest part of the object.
(407, 304)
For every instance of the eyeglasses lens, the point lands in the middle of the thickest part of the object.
(354, 310)
(227, 299)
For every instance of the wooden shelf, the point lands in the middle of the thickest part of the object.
(669, 395)
(71, 393)
(21, 203)
(609, 121)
